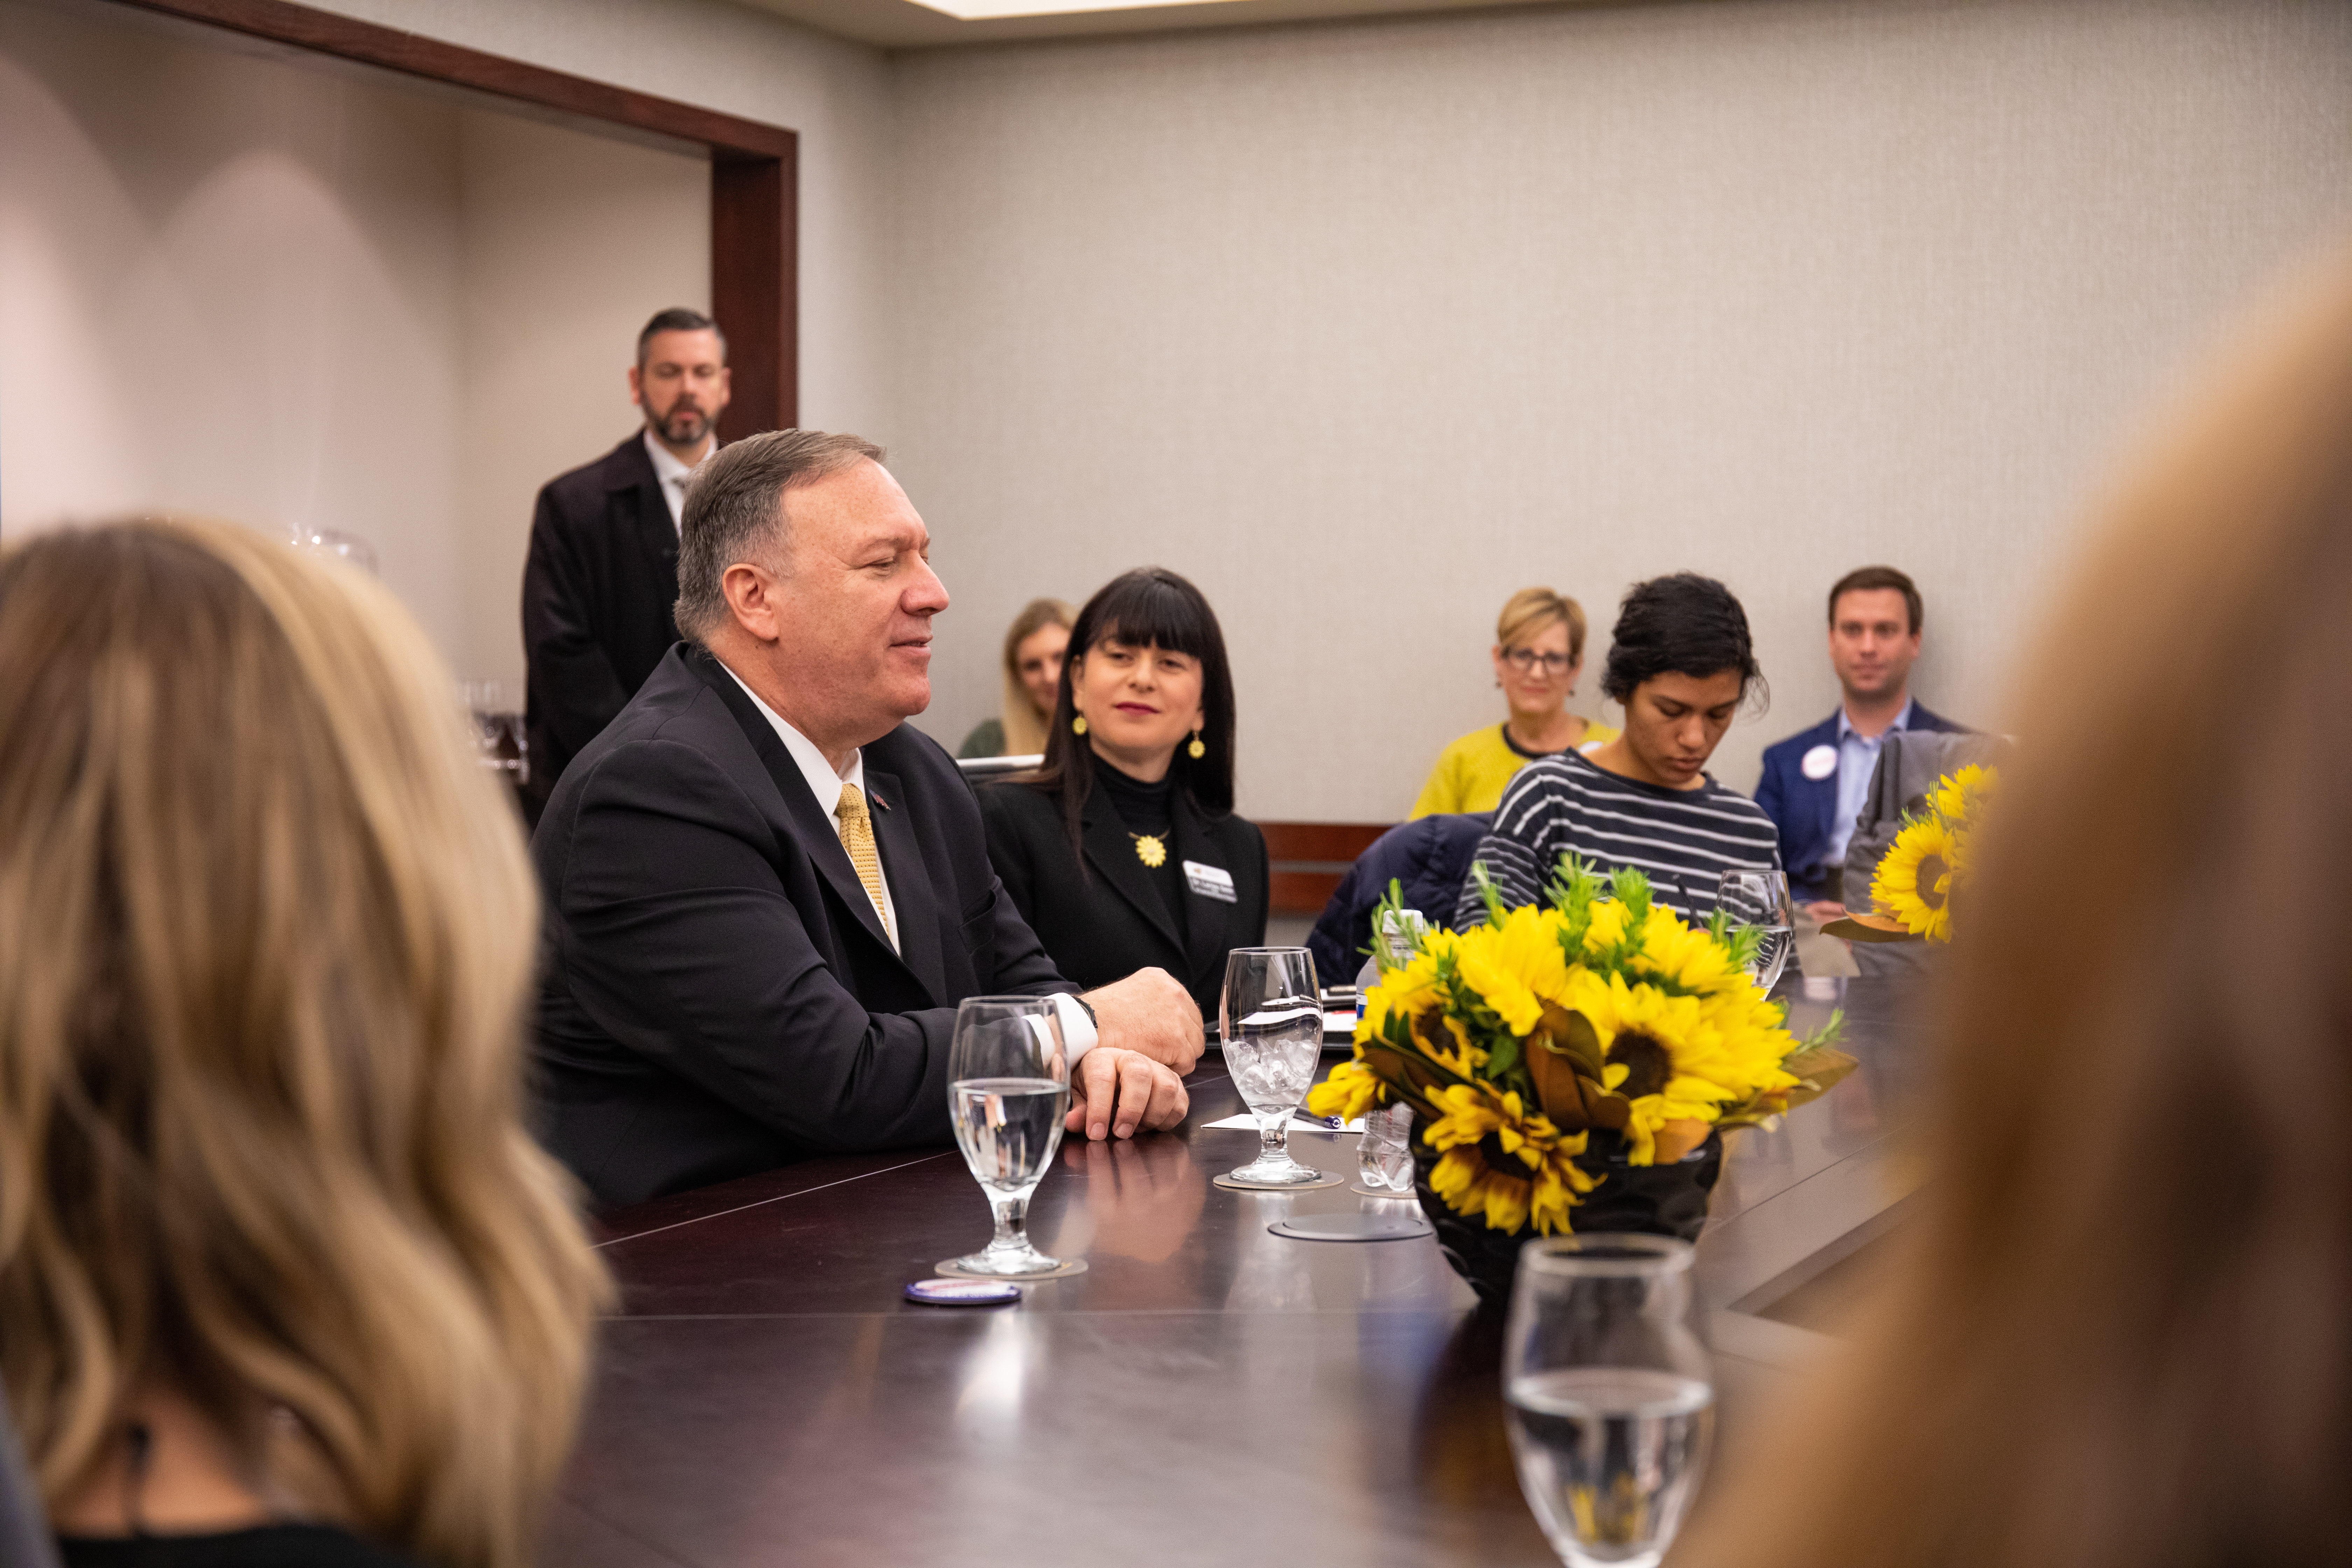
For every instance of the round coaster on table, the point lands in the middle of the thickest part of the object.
(1353, 1227)
(962, 1292)
(1391, 1193)
(1325, 1180)
(1069, 1267)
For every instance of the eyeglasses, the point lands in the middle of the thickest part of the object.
(1524, 660)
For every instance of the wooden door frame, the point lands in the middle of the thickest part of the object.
(754, 175)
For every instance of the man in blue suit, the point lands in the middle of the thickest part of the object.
(1815, 782)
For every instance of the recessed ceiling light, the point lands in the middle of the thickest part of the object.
(989, 10)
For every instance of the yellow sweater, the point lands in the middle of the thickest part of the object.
(1472, 771)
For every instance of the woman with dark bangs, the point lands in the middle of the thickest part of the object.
(1123, 852)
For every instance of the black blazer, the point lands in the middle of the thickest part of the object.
(719, 995)
(1105, 921)
(598, 589)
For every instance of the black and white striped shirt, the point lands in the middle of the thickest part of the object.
(1682, 839)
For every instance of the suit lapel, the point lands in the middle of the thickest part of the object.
(1207, 919)
(819, 839)
(911, 889)
(657, 534)
(1108, 845)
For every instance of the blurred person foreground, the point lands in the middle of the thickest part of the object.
(2117, 1331)
(280, 1265)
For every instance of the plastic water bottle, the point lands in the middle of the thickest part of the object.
(1401, 934)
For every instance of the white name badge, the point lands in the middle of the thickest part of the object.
(1210, 881)
(1819, 762)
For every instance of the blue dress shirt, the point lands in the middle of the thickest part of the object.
(1857, 759)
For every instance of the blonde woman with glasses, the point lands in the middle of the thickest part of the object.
(1538, 652)
(282, 1278)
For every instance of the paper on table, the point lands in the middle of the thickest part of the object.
(1298, 1123)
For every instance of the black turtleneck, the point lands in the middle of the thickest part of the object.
(1149, 809)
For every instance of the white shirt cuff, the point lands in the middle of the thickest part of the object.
(1079, 1034)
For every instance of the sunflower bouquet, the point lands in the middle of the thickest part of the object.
(1924, 868)
(1516, 1042)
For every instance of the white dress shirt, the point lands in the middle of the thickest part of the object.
(825, 784)
(673, 476)
(1079, 1033)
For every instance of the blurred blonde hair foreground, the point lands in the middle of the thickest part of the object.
(2122, 1331)
(265, 934)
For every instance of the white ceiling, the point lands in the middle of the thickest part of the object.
(902, 23)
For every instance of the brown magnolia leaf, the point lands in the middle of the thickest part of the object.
(1823, 1068)
(1869, 928)
(1404, 1073)
(1569, 1034)
(1554, 1075)
(1678, 1138)
(1613, 1112)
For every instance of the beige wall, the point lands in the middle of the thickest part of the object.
(570, 243)
(227, 286)
(239, 285)
(755, 64)
(1365, 326)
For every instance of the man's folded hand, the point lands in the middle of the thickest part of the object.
(1114, 1093)
(1148, 1011)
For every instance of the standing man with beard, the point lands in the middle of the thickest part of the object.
(601, 576)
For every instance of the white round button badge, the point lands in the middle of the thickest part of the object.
(1819, 762)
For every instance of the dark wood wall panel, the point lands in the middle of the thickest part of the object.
(751, 283)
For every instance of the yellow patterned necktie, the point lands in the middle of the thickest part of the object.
(857, 838)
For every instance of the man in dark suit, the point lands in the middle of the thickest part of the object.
(1814, 782)
(603, 570)
(766, 894)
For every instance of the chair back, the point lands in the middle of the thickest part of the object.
(978, 768)
(1909, 763)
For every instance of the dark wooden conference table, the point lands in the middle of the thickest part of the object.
(1206, 1392)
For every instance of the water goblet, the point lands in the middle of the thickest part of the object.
(1761, 899)
(1272, 1022)
(1611, 1397)
(1008, 1089)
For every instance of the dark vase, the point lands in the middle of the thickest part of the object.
(1659, 1200)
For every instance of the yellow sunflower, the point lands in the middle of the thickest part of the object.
(1515, 967)
(1350, 1090)
(1408, 989)
(1680, 1058)
(1914, 883)
(1546, 1182)
(1957, 794)
(1693, 960)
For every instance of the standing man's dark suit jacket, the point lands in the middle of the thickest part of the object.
(1804, 809)
(1106, 920)
(721, 996)
(597, 593)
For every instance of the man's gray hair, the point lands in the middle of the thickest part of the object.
(735, 513)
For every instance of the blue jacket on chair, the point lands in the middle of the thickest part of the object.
(1429, 856)
(1805, 810)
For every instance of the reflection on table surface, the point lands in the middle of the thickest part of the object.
(1205, 1391)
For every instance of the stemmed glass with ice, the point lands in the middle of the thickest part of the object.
(1271, 1016)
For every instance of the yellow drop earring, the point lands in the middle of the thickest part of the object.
(1078, 725)
(1196, 750)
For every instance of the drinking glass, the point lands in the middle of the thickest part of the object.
(1611, 1397)
(1384, 1154)
(1008, 1089)
(1761, 899)
(499, 735)
(1272, 1027)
